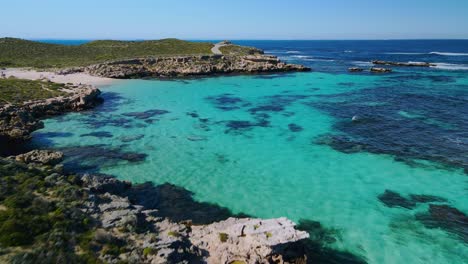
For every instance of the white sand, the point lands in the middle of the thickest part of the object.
(75, 78)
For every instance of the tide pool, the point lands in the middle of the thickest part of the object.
(286, 145)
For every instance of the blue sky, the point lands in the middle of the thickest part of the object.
(237, 19)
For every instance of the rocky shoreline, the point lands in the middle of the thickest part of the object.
(186, 66)
(126, 222)
(18, 121)
(128, 216)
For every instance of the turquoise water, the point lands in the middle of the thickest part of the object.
(275, 163)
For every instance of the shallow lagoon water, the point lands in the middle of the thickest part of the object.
(254, 144)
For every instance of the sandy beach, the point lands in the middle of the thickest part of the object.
(75, 78)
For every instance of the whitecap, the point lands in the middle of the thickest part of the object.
(313, 59)
(448, 53)
(300, 56)
(348, 51)
(293, 51)
(405, 53)
(450, 66)
(363, 63)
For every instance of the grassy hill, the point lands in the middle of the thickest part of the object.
(24, 53)
(16, 91)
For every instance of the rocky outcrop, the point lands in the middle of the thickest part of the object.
(169, 67)
(380, 70)
(42, 157)
(403, 64)
(355, 69)
(245, 240)
(18, 121)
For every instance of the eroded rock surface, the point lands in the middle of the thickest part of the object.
(168, 67)
(43, 157)
(18, 121)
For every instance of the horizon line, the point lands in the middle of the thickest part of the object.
(243, 39)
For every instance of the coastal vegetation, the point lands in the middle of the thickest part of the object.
(38, 215)
(15, 91)
(25, 53)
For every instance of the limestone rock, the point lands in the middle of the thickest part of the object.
(169, 67)
(380, 70)
(248, 240)
(17, 122)
(43, 157)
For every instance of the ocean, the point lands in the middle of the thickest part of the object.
(373, 165)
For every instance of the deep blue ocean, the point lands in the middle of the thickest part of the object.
(374, 166)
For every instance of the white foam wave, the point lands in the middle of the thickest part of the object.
(312, 59)
(348, 51)
(452, 67)
(363, 63)
(448, 53)
(405, 53)
(309, 58)
(293, 52)
(300, 56)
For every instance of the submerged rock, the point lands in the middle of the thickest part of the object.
(393, 199)
(447, 218)
(295, 128)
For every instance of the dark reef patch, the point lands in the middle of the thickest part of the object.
(193, 114)
(100, 121)
(346, 84)
(243, 125)
(318, 249)
(271, 76)
(127, 139)
(439, 135)
(98, 134)
(423, 198)
(393, 199)
(53, 134)
(227, 102)
(177, 204)
(446, 218)
(266, 108)
(146, 114)
(89, 158)
(112, 102)
(295, 128)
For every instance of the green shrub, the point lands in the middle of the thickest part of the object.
(223, 237)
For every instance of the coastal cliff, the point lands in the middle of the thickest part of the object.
(185, 66)
(18, 121)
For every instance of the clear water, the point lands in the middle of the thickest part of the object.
(287, 156)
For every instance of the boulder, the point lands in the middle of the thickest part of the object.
(380, 70)
(355, 69)
(43, 157)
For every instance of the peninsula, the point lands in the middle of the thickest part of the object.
(167, 58)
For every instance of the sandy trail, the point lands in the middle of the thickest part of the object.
(216, 47)
(75, 78)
